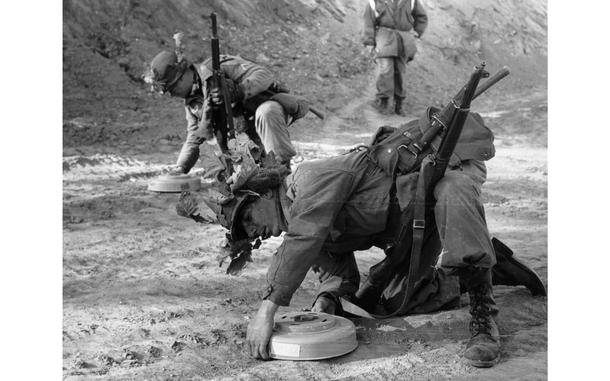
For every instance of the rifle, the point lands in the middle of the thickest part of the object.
(443, 118)
(449, 123)
(439, 161)
(222, 115)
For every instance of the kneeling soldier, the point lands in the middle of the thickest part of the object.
(332, 207)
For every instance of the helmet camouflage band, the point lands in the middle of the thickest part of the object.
(228, 208)
(244, 186)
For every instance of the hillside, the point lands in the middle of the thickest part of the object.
(314, 46)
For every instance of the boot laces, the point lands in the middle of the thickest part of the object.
(480, 312)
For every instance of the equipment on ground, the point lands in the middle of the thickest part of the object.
(311, 336)
(175, 183)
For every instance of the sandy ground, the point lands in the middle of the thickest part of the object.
(144, 297)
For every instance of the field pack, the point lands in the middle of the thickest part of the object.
(389, 147)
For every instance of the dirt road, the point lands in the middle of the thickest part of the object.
(144, 297)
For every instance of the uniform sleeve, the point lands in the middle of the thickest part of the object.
(195, 136)
(368, 32)
(420, 18)
(312, 215)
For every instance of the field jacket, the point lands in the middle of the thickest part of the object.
(326, 202)
(390, 25)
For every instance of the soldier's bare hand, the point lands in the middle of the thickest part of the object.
(260, 330)
(176, 170)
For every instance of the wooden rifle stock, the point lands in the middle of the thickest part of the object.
(491, 81)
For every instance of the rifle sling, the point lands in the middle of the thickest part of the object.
(419, 224)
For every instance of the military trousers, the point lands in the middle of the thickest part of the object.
(464, 238)
(391, 77)
(271, 123)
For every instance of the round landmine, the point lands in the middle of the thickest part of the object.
(311, 336)
(175, 183)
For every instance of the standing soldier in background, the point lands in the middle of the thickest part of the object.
(390, 28)
(266, 108)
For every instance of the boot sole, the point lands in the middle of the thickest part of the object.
(483, 364)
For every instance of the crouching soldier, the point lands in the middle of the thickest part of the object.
(261, 106)
(332, 207)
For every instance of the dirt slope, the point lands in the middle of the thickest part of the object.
(314, 46)
(144, 297)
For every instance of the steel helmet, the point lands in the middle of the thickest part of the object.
(227, 210)
(165, 71)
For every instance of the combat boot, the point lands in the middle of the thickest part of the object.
(509, 271)
(381, 105)
(399, 107)
(483, 348)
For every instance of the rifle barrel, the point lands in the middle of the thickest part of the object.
(214, 30)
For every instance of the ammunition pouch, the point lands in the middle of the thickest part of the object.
(391, 149)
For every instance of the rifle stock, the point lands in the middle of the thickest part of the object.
(491, 81)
